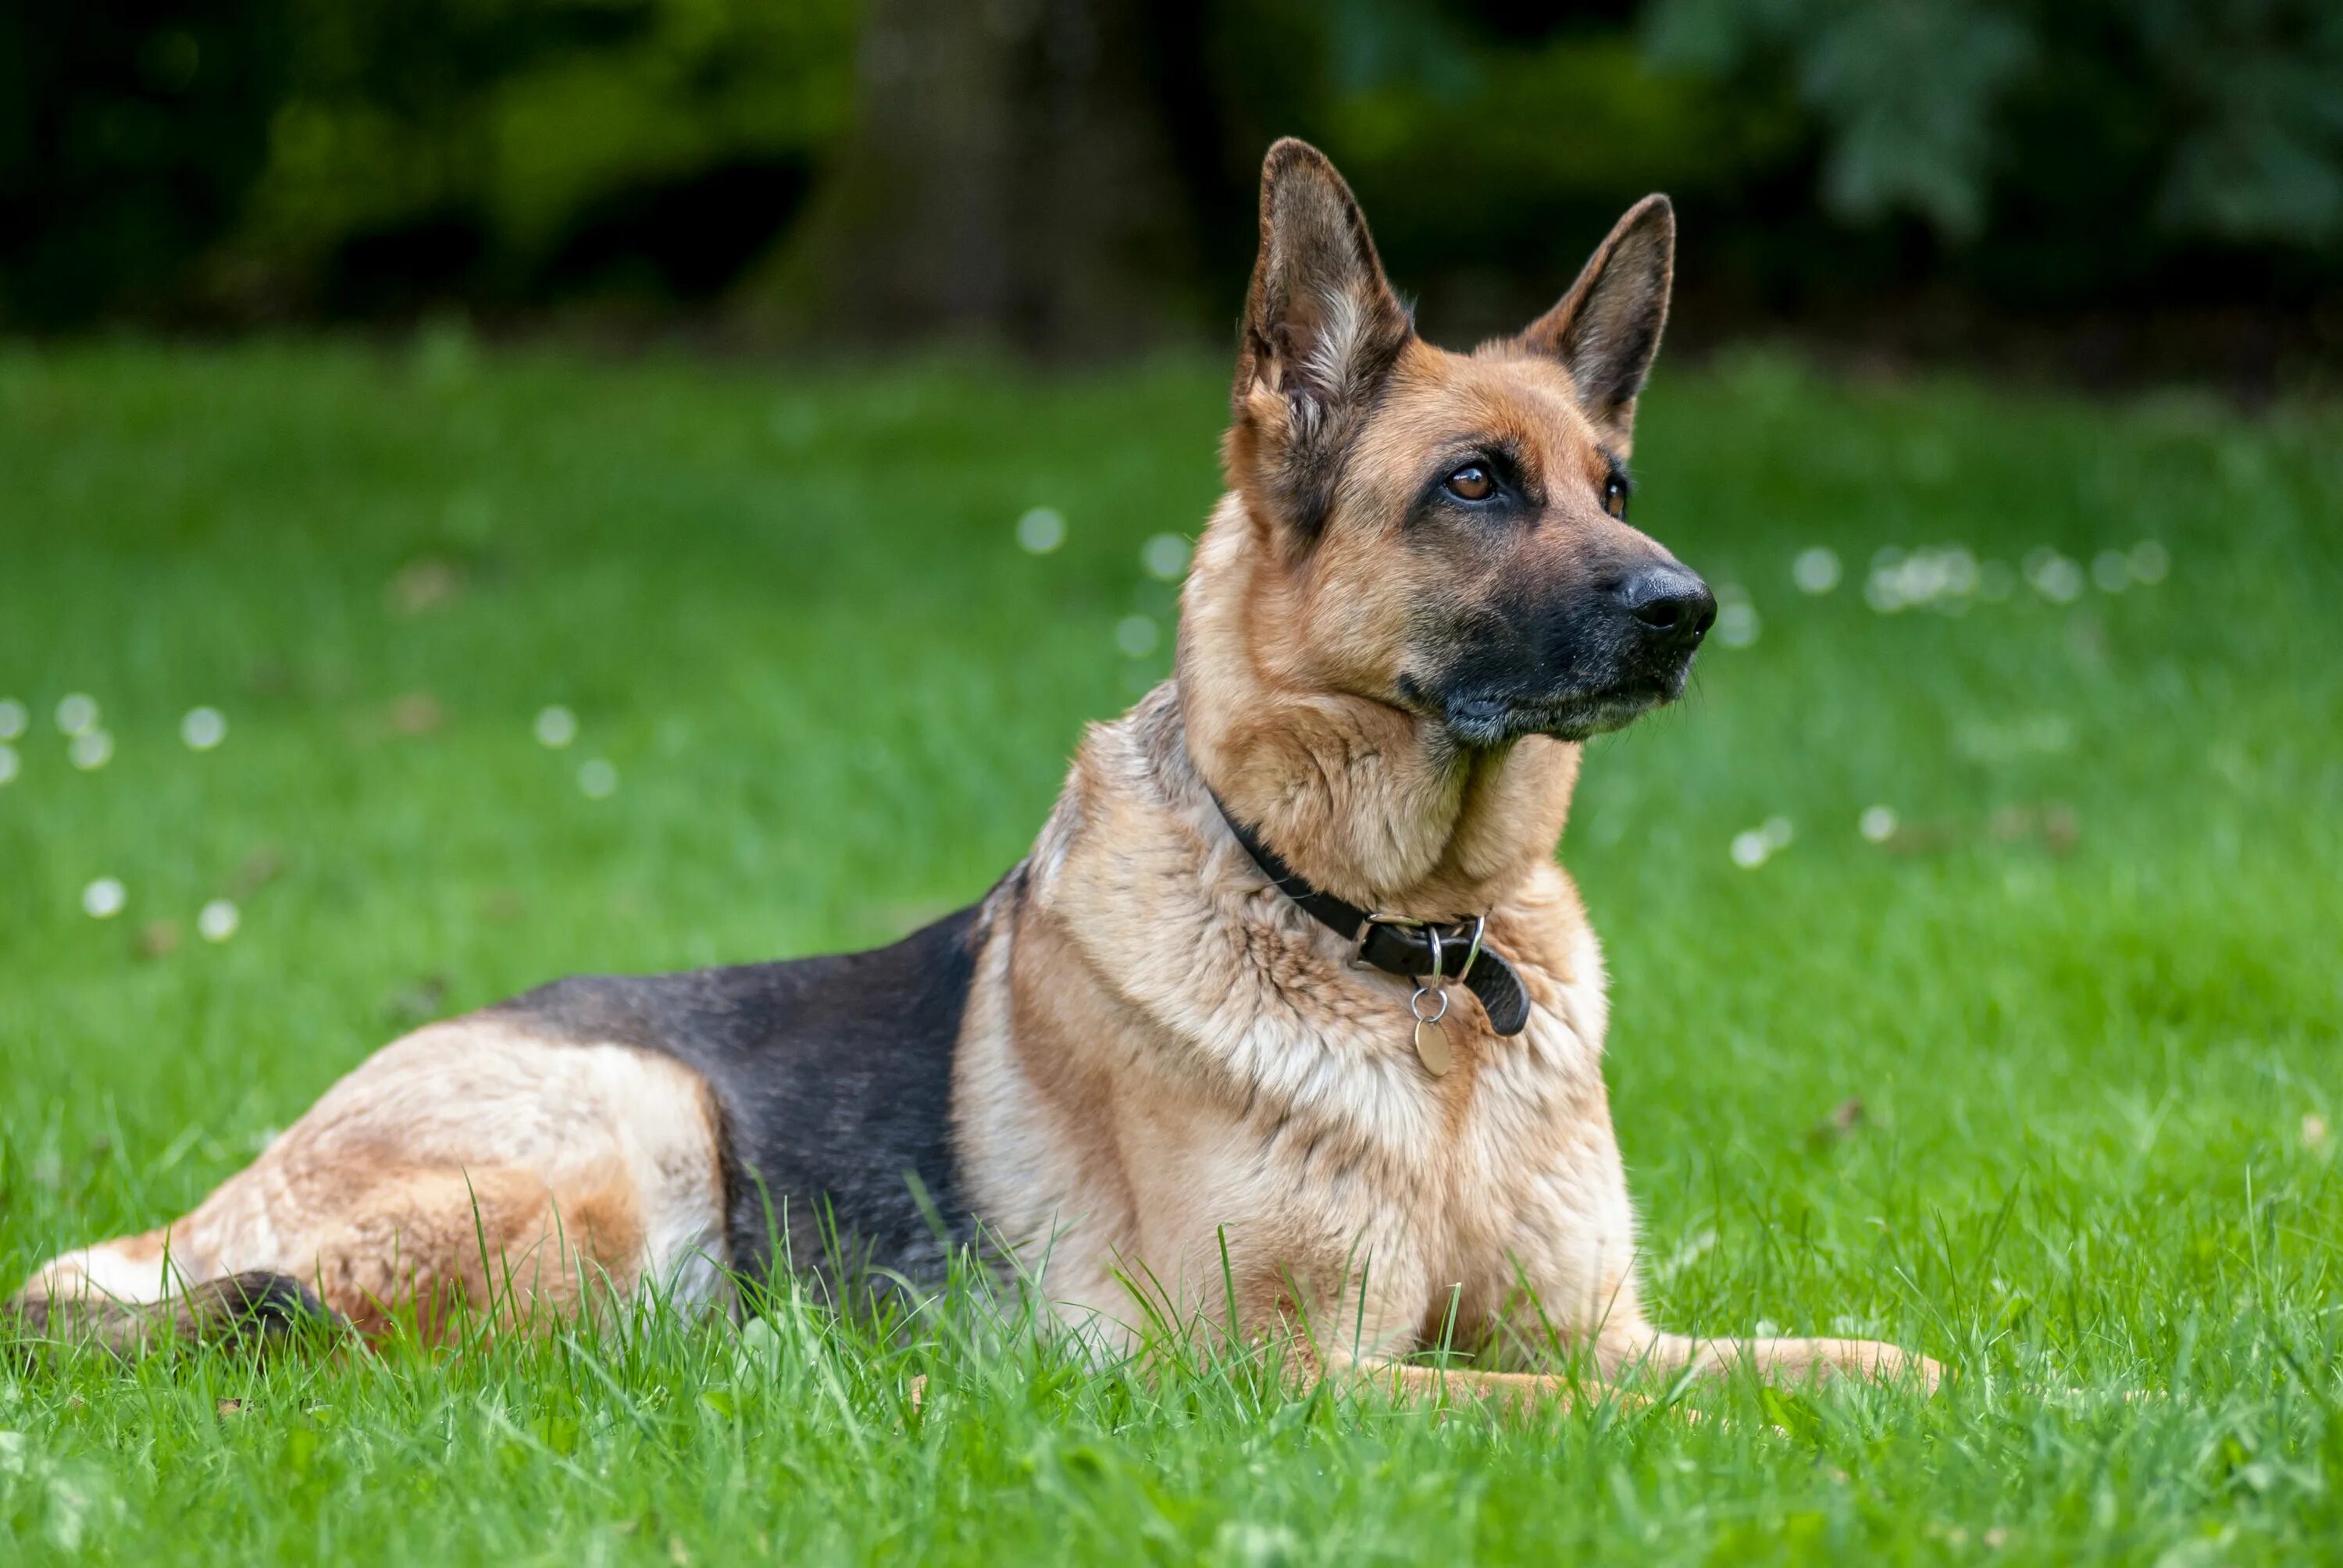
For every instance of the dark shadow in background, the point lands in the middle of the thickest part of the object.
(2110, 190)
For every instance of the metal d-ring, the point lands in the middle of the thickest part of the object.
(1431, 983)
(1480, 924)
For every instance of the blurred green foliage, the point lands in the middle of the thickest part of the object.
(2147, 124)
(512, 128)
(1905, 96)
(336, 157)
(257, 159)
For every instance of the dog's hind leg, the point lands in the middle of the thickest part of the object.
(436, 1245)
(426, 1242)
(134, 1294)
(430, 1246)
(129, 1295)
(464, 1166)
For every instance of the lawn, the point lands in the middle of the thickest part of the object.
(1976, 961)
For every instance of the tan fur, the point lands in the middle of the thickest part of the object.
(1166, 1056)
(1301, 734)
(1168, 1063)
(467, 1165)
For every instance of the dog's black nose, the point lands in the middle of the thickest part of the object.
(1673, 604)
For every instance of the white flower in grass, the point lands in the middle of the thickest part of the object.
(1957, 572)
(10, 764)
(203, 728)
(90, 751)
(1942, 577)
(1688, 1252)
(217, 921)
(1248, 1541)
(1882, 591)
(557, 727)
(1042, 530)
(1816, 570)
(1924, 578)
(1778, 832)
(1877, 823)
(2149, 561)
(1750, 848)
(598, 780)
(13, 719)
(2054, 577)
(1165, 556)
(104, 898)
(1737, 617)
(76, 712)
(1136, 635)
(1736, 623)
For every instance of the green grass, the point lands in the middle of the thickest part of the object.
(2088, 996)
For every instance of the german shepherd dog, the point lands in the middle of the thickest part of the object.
(1290, 1013)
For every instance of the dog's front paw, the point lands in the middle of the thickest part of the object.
(1882, 1363)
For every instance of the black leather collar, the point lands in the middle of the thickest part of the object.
(1397, 946)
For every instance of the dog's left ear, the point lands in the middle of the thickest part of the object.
(1607, 328)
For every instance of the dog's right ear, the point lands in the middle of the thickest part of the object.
(1321, 328)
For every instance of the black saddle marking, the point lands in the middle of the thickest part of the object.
(833, 1078)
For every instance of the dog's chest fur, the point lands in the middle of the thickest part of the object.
(1163, 1056)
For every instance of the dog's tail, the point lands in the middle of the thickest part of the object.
(259, 1311)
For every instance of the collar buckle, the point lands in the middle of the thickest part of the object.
(1367, 930)
(1435, 935)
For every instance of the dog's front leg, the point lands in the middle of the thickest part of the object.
(1617, 1343)
(1774, 1359)
(1510, 1394)
(1375, 1363)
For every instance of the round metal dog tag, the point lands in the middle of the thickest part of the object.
(1431, 1039)
(1432, 1048)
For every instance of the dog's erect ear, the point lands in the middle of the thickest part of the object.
(1607, 328)
(1321, 328)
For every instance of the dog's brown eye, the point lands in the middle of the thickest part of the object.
(1614, 497)
(1471, 482)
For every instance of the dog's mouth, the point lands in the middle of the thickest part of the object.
(1491, 718)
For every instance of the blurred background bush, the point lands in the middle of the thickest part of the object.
(2114, 188)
